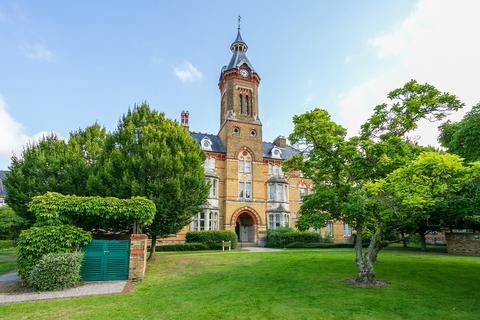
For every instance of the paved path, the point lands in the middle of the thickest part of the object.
(8, 257)
(8, 277)
(86, 289)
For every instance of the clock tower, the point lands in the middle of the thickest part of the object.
(240, 123)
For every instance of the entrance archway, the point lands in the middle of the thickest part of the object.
(245, 228)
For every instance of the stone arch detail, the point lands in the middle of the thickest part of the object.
(255, 216)
(245, 148)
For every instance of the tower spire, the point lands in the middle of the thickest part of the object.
(239, 21)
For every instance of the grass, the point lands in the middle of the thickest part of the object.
(281, 285)
(7, 266)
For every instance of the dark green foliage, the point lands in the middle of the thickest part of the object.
(56, 271)
(283, 237)
(35, 242)
(54, 208)
(189, 246)
(463, 137)
(212, 238)
(11, 224)
(151, 156)
(53, 165)
(325, 245)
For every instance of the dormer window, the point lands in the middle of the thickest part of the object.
(276, 153)
(206, 144)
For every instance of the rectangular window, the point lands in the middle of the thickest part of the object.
(330, 229)
(248, 190)
(241, 189)
(248, 166)
(347, 232)
(275, 170)
(271, 222)
(214, 187)
(270, 169)
(272, 191)
(302, 194)
(279, 192)
(241, 166)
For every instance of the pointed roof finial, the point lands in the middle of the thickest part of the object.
(239, 21)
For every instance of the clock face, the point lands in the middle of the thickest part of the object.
(244, 73)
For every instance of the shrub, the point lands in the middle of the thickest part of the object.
(56, 271)
(191, 246)
(11, 224)
(281, 238)
(36, 242)
(212, 238)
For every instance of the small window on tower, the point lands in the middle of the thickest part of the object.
(236, 130)
(247, 100)
(253, 133)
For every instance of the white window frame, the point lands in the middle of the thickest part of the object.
(278, 220)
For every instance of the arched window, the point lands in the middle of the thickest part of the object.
(241, 104)
(245, 175)
(247, 100)
(245, 162)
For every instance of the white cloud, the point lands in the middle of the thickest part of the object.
(437, 43)
(38, 52)
(13, 135)
(187, 72)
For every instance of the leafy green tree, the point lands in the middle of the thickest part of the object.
(434, 192)
(149, 155)
(343, 169)
(52, 164)
(11, 224)
(463, 137)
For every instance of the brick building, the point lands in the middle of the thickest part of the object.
(250, 193)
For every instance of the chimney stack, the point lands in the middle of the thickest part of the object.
(280, 142)
(184, 119)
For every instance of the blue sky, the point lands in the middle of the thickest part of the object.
(65, 65)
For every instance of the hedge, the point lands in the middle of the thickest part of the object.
(56, 271)
(36, 242)
(212, 238)
(281, 238)
(54, 208)
(191, 246)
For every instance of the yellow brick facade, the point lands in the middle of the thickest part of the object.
(250, 193)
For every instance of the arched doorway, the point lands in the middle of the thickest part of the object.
(245, 228)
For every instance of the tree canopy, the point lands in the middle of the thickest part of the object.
(149, 155)
(463, 137)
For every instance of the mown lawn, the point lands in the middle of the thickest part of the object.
(7, 266)
(285, 285)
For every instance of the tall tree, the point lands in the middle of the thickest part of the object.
(149, 155)
(463, 137)
(341, 168)
(433, 192)
(52, 164)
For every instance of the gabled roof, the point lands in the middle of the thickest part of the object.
(3, 192)
(217, 145)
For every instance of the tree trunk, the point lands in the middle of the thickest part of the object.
(366, 272)
(153, 245)
(404, 240)
(423, 242)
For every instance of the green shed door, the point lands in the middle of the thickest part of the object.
(105, 260)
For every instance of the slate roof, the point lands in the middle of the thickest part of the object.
(217, 146)
(287, 152)
(3, 192)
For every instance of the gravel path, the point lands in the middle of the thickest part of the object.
(261, 249)
(86, 289)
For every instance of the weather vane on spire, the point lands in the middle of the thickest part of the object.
(239, 21)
